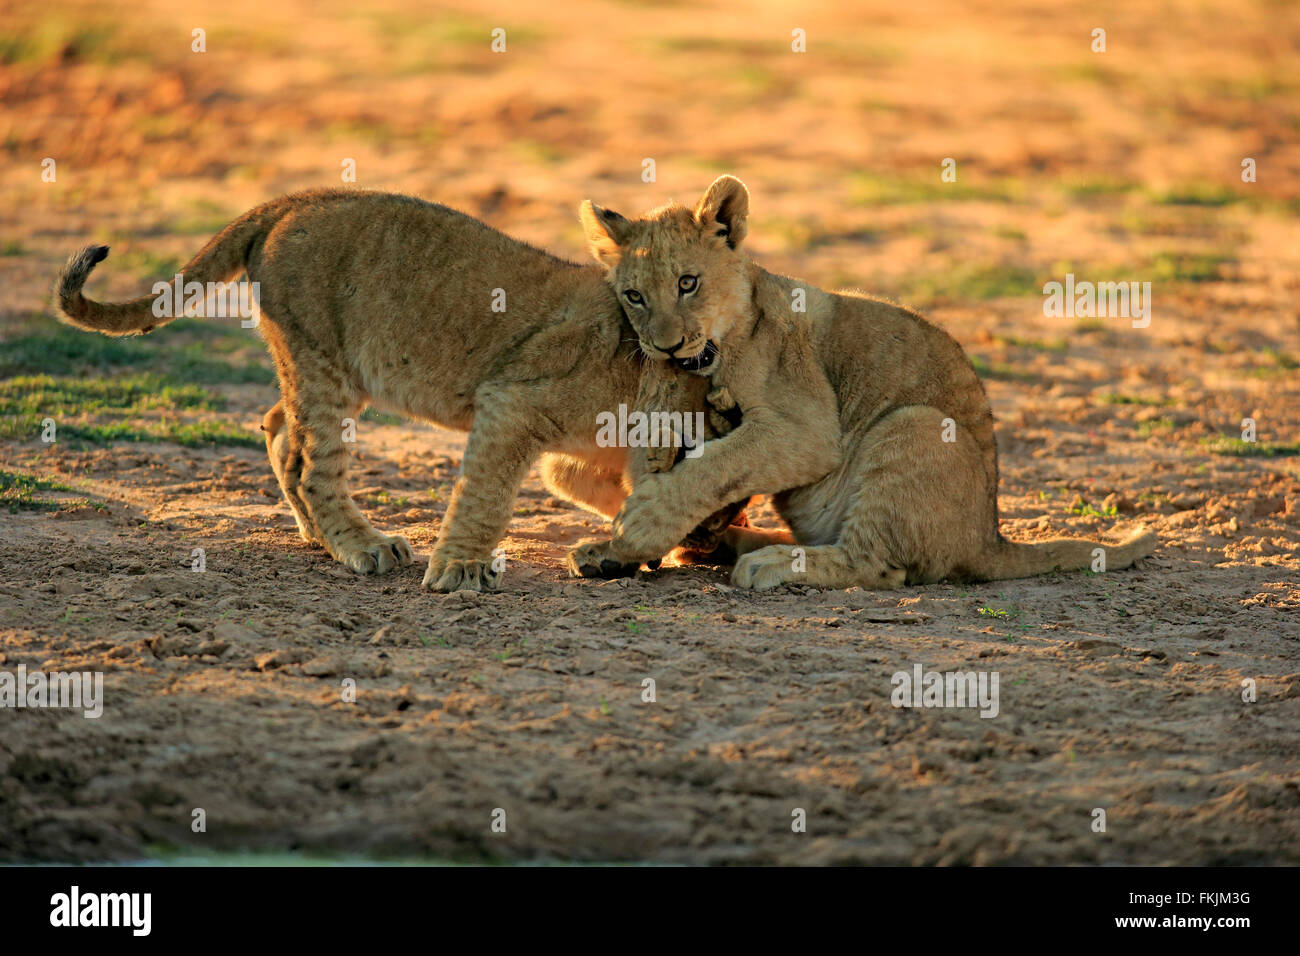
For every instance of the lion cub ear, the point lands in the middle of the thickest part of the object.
(606, 233)
(725, 209)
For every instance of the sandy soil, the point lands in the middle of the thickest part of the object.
(1119, 691)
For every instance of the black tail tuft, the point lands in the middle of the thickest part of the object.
(74, 275)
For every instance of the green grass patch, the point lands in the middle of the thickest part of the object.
(464, 31)
(1256, 88)
(438, 40)
(45, 395)
(1012, 617)
(536, 151)
(1279, 363)
(1188, 267)
(972, 283)
(734, 47)
(187, 350)
(1090, 325)
(149, 265)
(1089, 71)
(1156, 425)
(1000, 371)
(1162, 267)
(20, 492)
(160, 127)
(189, 434)
(26, 401)
(1089, 188)
(1151, 220)
(805, 234)
(61, 39)
(1223, 445)
(386, 499)
(1037, 345)
(360, 129)
(202, 217)
(1092, 272)
(1195, 194)
(1084, 508)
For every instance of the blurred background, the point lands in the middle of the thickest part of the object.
(1122, 165)
(1117, 165)
(1066, 158)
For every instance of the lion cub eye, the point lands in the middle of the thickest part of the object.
(633, 296)
(687, 283)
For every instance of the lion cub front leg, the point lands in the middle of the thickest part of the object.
(502, 446)
(666, 392)
(661, 392)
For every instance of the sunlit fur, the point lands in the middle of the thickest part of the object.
(373, 298)
(845, 410)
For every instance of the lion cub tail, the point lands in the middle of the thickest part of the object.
(220, 260)
(1011, 559)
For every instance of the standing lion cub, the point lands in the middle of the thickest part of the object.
(373, 298)
(867, 422)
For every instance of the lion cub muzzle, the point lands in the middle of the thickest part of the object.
(702, 363)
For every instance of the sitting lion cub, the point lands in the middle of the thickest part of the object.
(867, 422)
(372, 298)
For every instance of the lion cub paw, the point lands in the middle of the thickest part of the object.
(374, 553)
(660, 458)
(722, 410)
(446, 575)
(768, 567)
(720, 398)
(595, 559)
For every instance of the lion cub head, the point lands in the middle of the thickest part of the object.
(679, 273)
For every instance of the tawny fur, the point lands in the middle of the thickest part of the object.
(845, 407)
(373, 298)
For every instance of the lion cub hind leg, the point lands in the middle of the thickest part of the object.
(314, 417)
(734, 543)
(277, 450)
(817, 566)
(921, 506)
(581, 482)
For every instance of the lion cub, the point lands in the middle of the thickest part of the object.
(373, 298)
(867, 423)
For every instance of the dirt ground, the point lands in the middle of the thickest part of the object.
(223, 689)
